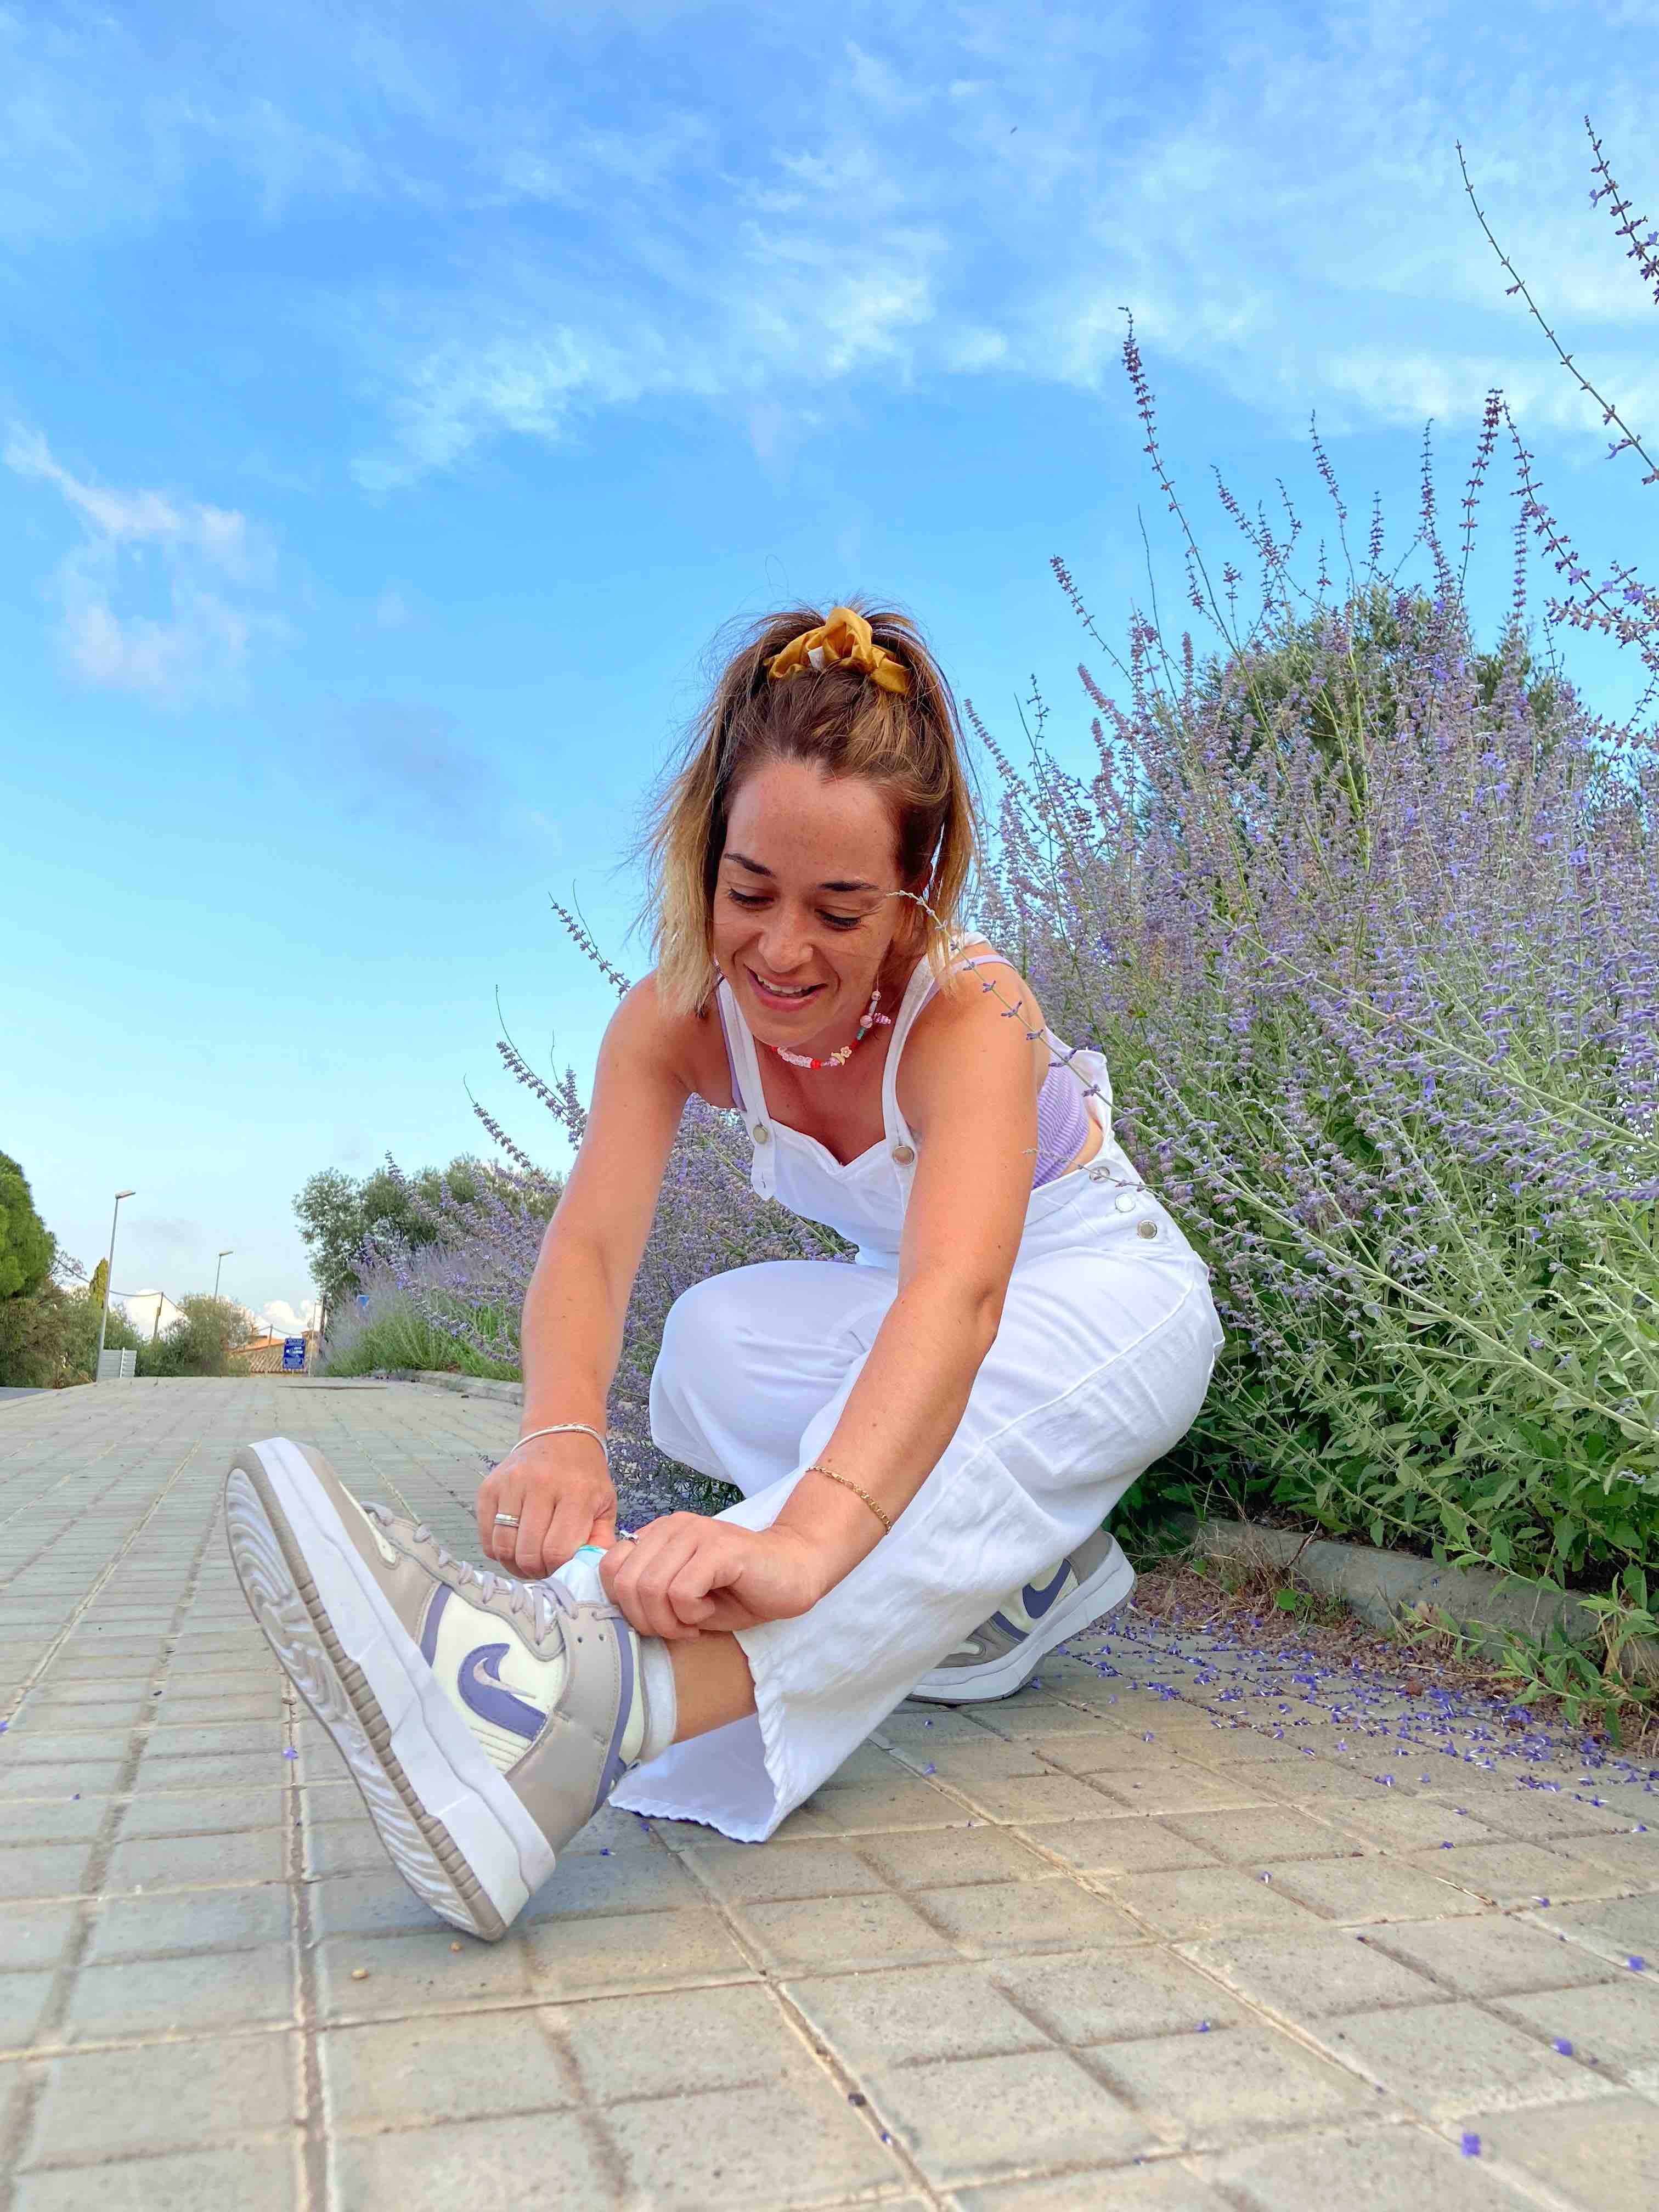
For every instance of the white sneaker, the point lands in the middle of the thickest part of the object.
(1002, 1654)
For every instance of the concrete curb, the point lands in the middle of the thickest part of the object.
(468, 1386)
(1382, 1587)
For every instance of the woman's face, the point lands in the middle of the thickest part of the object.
(803, 912)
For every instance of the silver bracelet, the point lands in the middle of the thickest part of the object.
(566, 1428)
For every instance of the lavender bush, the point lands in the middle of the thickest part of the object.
(1367, 924)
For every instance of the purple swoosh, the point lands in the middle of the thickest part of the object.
(615, 1767)
(489, 1699)
(1001, 1620)
(1037, 1602)
(435, 1614)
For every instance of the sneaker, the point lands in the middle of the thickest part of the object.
(484, 1721)
(999, 1658)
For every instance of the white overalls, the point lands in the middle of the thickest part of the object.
(1104, 1352)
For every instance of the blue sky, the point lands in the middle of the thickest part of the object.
(398, 399)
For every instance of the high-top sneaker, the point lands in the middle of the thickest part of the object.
(1002, 1653)
(485, 1721)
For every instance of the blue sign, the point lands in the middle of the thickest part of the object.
(294, 1355)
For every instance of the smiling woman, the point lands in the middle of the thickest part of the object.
(928, 1442)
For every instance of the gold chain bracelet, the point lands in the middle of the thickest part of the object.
(818, 1468)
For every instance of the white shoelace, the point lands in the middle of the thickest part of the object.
(539, 1602)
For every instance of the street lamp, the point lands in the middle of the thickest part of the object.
(103, 1317)
(223, 1256)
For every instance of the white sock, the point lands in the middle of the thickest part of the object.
(581, 1577)
(662, 1716)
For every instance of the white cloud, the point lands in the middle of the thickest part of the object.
(155, 596)
(277, 1317)
(625, 205)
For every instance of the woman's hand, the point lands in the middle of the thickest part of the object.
(560, 1489)
(683, 1574)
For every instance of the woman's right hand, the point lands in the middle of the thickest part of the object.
(560, 1489)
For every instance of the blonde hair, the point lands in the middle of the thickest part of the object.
(840, 721)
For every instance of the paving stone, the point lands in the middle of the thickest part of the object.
(1507, 1875)
(971, 2119)
(1092, 1749)
(1032, 1798)
(598, 1957)
(1618, 1927)
(1634, 1859)
(1396, 2169)
(191, 1813)
(181, 1994)
(742, 1872)
(1599, 2157)
(163, 2096)
(1176, 1787)
(23, 2001)
(1114, 1996)
(1125, 1843)
(899, 1804)
(478, 2164)
(1445, 2059)
(1611, 2024)
(37, 1935)
(1361, 1892)
(180, 1920)
(1198, 1901)
(415, 2073)
(876, 2021)
(680, 2043)
(259, 2177)
(1492, 1957)
(1167, 2186)
(1543, 1816)
(841, 1933)
(989, 1918)
(1261, 1836)
(938, 1858)
(1405, 1824)
(1311, 1976)
(193, 1861)
(634, 1882)
(750, 2149)
(44, 1871)
(1206, 2091)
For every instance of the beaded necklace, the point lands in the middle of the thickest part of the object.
(872, 1020)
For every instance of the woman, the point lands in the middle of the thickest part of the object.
(928, 1441)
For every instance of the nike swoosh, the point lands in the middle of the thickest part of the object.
(1037, 1602)
(489, 1699)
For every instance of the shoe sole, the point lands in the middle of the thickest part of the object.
(435, 1801)
(1105, 1590)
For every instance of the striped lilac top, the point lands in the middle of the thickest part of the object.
(1062, 1117)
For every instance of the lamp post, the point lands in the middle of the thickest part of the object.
(228, 1251)
(103, 1317)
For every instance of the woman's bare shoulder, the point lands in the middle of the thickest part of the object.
(690, 1046)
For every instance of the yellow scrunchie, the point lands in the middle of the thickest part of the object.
(845, 640)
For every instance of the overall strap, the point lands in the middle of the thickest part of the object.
(750, 1092)
(901, 1141)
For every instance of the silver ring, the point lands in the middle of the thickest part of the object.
(506, 1520)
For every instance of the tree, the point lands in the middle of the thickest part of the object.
(200, 1341)
(337, 1212)
(28, 1246)
(98, 1288)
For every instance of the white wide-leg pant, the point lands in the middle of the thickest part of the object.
(1105, 1352)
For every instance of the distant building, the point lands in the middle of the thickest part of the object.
(263, 1355)
(152, 1313)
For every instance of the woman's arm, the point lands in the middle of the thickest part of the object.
(559, 1486)
(971, 1097)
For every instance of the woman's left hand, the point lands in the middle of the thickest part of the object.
(683, 1574)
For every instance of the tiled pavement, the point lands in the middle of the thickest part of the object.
(1103, 1944)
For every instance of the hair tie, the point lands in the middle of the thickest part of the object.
(845, 640)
